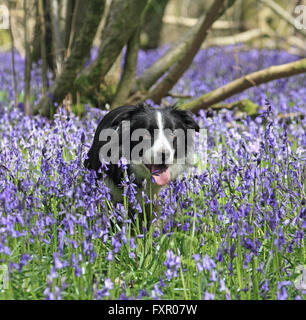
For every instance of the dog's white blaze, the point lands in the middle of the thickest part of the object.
(162, 144)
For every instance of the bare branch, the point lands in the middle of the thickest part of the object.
(167, 83)
(149, 77)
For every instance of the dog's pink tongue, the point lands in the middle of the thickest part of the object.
(162, 178)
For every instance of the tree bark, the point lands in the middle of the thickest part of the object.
(150, 33)
(43, 51)
(244, 105)
(35, 52)
(68, 21)
(58, 46)
(79, 52)
(129, 70)
(77, 22)
(27, 69)
(38, 39)
(246, 82)
(149, 77)
(167, 83)
(117, 31)
(13, 58)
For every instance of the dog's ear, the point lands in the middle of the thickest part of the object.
(186, 117)
(113, 119)
(124, 113)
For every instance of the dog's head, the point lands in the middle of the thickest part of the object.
(155, 141)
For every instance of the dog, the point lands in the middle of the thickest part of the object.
(154, 140)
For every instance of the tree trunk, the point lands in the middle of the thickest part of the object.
(117, 31)
(35, 52)
(79, 52)
(13, 58)
(77, 22)
(167, 83)
(150, 33)
(129, 70)
(246, 82)
(68, 21)
(244, 105)
(46, 29)
(27, 69)
(58, 46)
(150, 76)
(43, 50)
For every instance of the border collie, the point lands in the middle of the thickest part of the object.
(154, 140)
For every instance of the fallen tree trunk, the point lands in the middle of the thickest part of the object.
(245, 82)
(244, 105)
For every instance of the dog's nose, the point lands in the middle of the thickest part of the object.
(164, 156)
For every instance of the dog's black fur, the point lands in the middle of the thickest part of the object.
(140, 116)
